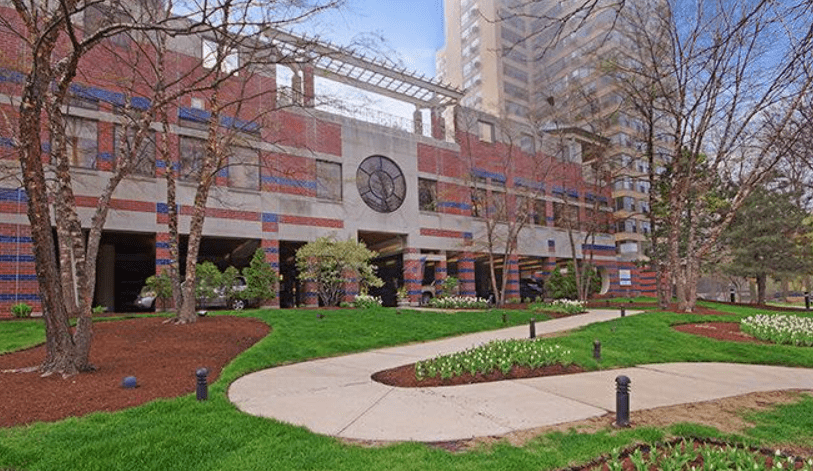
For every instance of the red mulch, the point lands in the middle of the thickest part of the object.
(162, 357)
(404, 376)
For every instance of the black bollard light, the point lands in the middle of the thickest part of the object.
(623, 312)
(203, 388)
(504, 318)
(732, 294)
(597, 349)
(622, 401)
(807, 300)
(532, 325)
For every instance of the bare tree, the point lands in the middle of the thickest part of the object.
(58, 38)
(727, 105)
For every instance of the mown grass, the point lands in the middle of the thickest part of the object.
(182, 434)
(20, 334)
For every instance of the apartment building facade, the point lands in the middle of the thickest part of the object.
(513, 59)
(301, 173)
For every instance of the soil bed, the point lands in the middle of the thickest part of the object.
(162, 357)
(404, 376)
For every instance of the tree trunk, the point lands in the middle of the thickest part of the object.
(761, 283)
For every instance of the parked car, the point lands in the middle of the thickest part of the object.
(531, 289)
(221, 299)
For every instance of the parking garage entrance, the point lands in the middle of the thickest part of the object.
(125, 261)
(389, 263)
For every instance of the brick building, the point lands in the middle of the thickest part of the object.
(415, 197)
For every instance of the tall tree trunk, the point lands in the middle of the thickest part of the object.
(761, 284)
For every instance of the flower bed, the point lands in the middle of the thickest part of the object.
(782, 329)
(565, 306)
(458, 302)
(499, 355)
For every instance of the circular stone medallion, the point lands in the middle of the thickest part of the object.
(381, 184)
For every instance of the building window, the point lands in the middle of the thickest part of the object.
(486, 131)
(81, 141)
(229, 61)
(190, 157)
(625, 203)
(565, 215)
(244, 168)
(540, 212)
(478, 201)
(124, 146)
(427, 194)
(329, 180)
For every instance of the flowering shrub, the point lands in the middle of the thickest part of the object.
(458, 302)
(566, 306)
(499, 355)
(365, 301)
(792, 330)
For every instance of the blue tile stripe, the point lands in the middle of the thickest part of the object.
(18, 277)
(162, 245)
(9, 75)
(309, 184)
(19, 297)
(454, 204)
(522, 182)
(163, 262)
(598, 247)
(202, 116)
(6, 142)
(16, 240)
(16, 258)
(270, 217)
(271, 250)
(13, 194)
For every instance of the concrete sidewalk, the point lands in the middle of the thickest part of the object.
(335, 396)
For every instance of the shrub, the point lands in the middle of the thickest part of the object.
(365, 301)
(563, 285)
(261, 278)
(21, 310)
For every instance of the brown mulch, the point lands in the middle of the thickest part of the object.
(162, 356)
(404, 376)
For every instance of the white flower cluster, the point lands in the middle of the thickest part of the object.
(500, 355)
(792, 330)
(567, 306)
(458, 302)
(365, 301)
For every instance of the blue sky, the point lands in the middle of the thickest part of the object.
(412, 28)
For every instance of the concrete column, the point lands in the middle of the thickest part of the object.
(417, 119)
(438, 124)
(296, 87)
(512, 270)
(412, 274)
(271, 249)
(440, 276)
(309, 88)
(465, 271)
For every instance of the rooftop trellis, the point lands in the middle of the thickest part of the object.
(370, 74)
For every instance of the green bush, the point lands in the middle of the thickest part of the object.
(21, 310)
(563, 285)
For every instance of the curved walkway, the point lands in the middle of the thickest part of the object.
(335, 396)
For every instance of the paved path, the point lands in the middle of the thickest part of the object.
(335, 396)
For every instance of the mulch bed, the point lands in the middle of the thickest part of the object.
(162, 357)
(404, 376)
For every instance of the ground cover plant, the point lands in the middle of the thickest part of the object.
(496, 355)
(181, 433)
(458, 302)
(777, 328)
(564, 306)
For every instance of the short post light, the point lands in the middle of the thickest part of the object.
(622, 401)
(202, 391)
(597, 349)
(807, 300)
(623, 312)
(532, 326)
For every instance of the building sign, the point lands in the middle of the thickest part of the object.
(626, 277)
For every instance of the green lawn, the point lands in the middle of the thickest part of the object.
(184, 434)
(20, 334)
